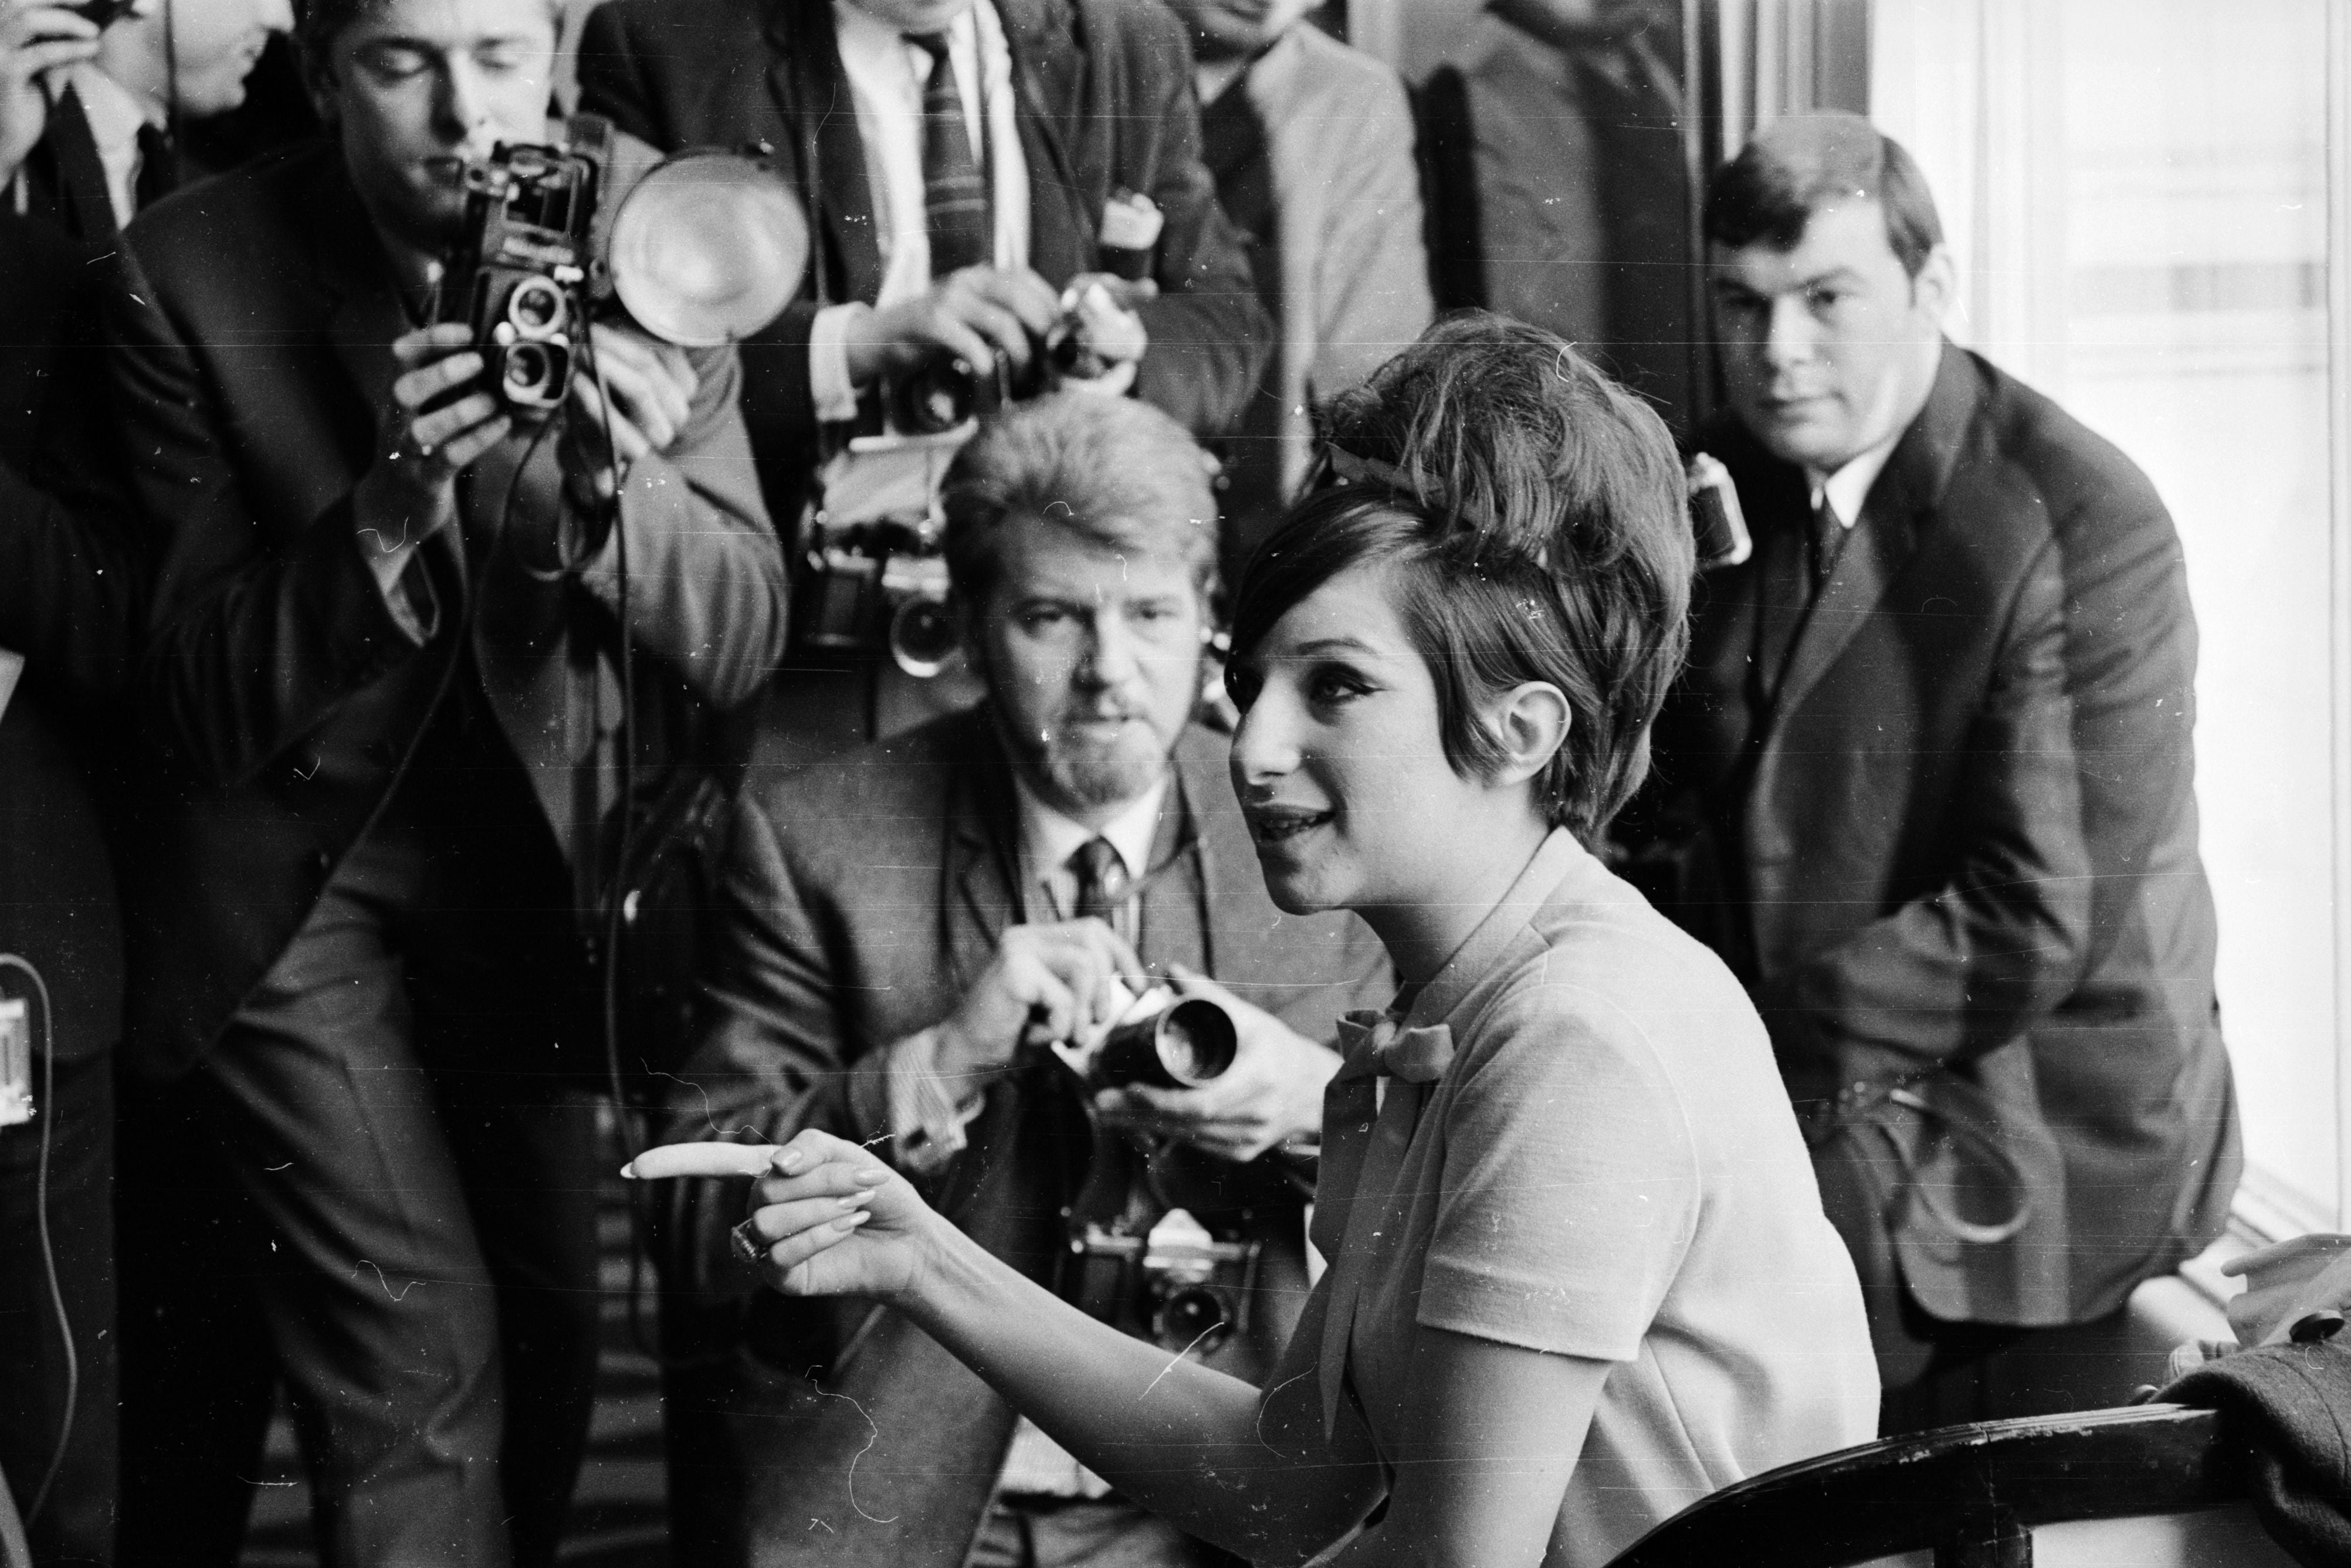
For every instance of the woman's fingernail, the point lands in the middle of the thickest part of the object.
(857, 1200)
(872, 1175)
(849, 1222)
(790, 1160)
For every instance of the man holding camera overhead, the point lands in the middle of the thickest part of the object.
(899, 939)
(984, 177)
(387, 662)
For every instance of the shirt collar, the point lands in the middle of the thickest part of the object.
(115, 113)
(858, 28)
(1559, 855)
(1848, 488)
(1048, 837)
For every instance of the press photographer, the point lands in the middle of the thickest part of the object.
(899, 938)
(411, 635)
(977, 173)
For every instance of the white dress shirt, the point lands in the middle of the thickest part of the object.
(886, 76)
(1847, 490)
(115, 115)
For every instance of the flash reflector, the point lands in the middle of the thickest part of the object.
(16, 1062)
(707, 248)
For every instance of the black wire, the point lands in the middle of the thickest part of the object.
(41, 1215)
(624, 1118)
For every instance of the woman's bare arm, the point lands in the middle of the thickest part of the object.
(1187, 1443)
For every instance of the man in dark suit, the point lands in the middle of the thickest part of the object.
(385, 662)
(1937, 732)
(83, 118)
(900, 931)
(1097, 97)
(1073, 151)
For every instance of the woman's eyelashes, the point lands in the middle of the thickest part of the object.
(1330, 686)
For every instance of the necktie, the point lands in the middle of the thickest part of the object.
(1102, 884)
(1827, 538)
(954, 196)
(1364, 1139)
(159, 167)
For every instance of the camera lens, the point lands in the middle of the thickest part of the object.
(533, 375)
(1194, 1317)
(936, 399)
(922, 636)
(537, 307)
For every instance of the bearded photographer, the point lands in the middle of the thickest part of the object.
(400, 632)
(896, 937)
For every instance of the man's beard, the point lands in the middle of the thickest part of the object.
(1089, 774)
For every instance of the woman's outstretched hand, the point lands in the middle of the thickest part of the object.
(833, 1220)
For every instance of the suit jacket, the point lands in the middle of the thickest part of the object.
(1343, 267)
(1956, 824)
(859, 901)
(72, 570)
(253, 331)
(1105, 103)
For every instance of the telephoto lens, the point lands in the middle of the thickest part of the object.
(1183, 1046)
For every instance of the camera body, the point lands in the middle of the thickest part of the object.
(947, 393)
(1176, 1285)
(872, 577)
(527, 272)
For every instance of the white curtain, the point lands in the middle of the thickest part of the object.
(1973, 88)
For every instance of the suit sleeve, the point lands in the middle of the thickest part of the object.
(771, 1055)
(1209, 335)
(248, 647)
(1373, 290)
(2002, 941)
(706, 589)
(70, 592)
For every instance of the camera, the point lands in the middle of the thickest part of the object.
(947, 391)
(873, 579)
(522, 275)
(1176, 1284)
(1183, 1046)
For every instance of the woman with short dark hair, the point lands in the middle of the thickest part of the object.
(1579, 1273)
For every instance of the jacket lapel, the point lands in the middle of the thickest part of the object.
(804, 62)
(80, 176)
(982, 851)
(1901, 505)
(1048, 74)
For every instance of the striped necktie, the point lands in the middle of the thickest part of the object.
(954, 196)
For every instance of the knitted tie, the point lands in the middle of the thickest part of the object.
(1102, 884)
(1827, 538)
(954, 196)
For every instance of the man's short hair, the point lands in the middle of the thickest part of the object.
(1796, 165)
(1111, 470)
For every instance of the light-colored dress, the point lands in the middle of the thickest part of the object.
(1576, 1140)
